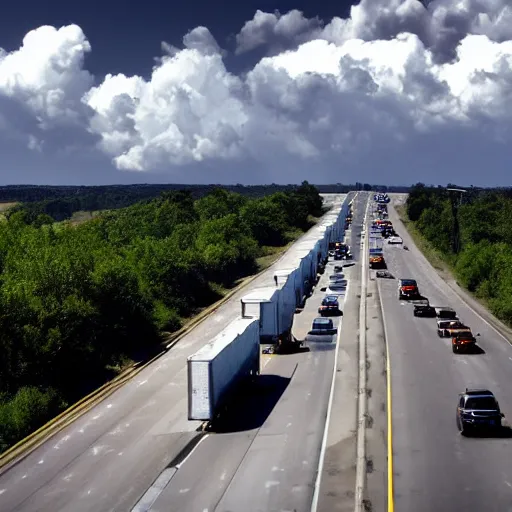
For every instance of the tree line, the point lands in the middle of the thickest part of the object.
(77, 303)
(61, 202)
(472, 231)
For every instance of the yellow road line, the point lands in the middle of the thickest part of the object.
(391, 502)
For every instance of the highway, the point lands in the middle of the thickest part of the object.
(109, 457)
(266, 456)
(435, 468)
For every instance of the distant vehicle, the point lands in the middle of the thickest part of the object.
(329, 306)
(424, 309)
(446, 313)
(478, 408)
(338, 288)
(322, 326)
(334, 278)
(331, 253)
(338, 268)
(377, 262)
(463, 341)
(384, 274)
(407, 289)
(396, 240)
(448, 328)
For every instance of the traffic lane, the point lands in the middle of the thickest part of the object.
(140, 404)
(123, 454)
(279, 470)
(337, 482)
(426, 378)
(247, 460)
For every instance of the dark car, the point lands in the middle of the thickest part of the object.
(463, 341)
(322, 326)
(446, 313)
(385, 274)
(424, 310)
(329, 306)
(478, 409)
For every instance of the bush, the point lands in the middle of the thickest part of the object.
(28, 410)
(483, 263)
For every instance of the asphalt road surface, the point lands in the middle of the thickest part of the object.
(108, 458)
(435, 468)
(264, 457)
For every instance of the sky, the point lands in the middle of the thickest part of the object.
(385, 91)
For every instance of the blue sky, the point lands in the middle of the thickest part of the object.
(389, 91)
(126, 35)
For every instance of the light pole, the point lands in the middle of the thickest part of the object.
(455, 212)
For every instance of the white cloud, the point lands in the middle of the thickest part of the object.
(396, 93)
(279, 31)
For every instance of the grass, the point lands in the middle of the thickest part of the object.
(5, 206)
(3, 209)
(436, 258)
(83, 216)
(270, 255)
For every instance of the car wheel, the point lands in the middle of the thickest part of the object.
(439, 333)
(455, 349)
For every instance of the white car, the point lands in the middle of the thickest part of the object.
(395, 240)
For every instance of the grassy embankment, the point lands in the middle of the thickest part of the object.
(443, 263)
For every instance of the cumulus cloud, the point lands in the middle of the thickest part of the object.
(279, 32)
(398, 92)
(441, 25)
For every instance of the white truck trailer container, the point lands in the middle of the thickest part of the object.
(263, 304)
(274, 307)
(216, 369)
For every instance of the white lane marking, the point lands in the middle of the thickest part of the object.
(61, 442)
(2, 491)
(67, 478)
(24, 476)
(508, 483)
(183, 491)
(510, 358)
(41, 461)
(271, 483)
(96, 450)
(178, 466)
(141, 383)
(109, 406)
(223, 476)
(151, 495)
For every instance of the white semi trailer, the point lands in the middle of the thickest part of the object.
(274, 308)
(216, 369)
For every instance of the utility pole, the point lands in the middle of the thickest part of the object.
(456, 200)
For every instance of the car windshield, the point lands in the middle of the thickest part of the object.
(330, 299)
(408, 282)
(481, 403)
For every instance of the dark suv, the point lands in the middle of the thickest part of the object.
(478, 409)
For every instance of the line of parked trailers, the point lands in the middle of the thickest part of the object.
(266, 316)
